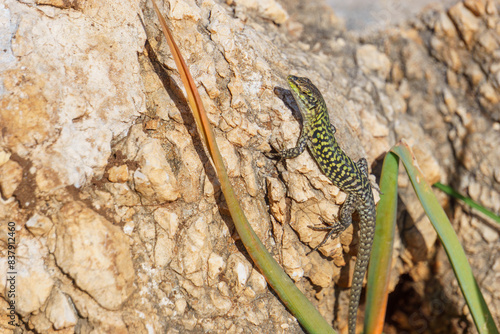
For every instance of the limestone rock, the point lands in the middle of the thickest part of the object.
(11, 175)
(271, 10)
(215, 265)
(63, 97)
(95, 254)
(155, 180)
(292, 264)
(371, 60)
(39, 225)
(195, 251)
(466, 22)
(321, 275)
(60, 311)
(117, 206)
(276, 193)
(32, 284)
(118, 173)
(238, 272)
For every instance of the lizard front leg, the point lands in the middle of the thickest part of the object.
(292, 152)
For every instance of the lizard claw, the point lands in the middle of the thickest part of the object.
(272, 155)
(275, 155)
(334, 229)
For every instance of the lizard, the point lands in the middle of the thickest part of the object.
(352, 178)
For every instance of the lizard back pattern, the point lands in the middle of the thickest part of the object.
(318, 135)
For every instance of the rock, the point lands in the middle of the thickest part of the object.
(223, 304)
(231, 160)
(59, 311)
(475, 6)
(321, 275)
(428, 165)
(95, 254)
(180, 305)
(32, 284)
(465, 22)
(444, 26)
(292, 264)
(118, 174)
(194, 251)
(182, 10)
(155, 180)
(164, 249)
(257, 282)
(276, 194)
(371, 60)
(79, 120)
(248, 174)
(94, 114)
(450, 101)
(270, 10)
(190, 167)
(299, 187)
(4, 157)
(237, 272)
(168, 220)
(39, 225)
(47, 180)
(216, 265)
(122, 195)
(488, 94)
(11, 175)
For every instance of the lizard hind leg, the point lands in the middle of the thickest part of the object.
(334, 229)
(337, 227)
(363, 167)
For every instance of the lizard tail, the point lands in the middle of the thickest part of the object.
(365, 245)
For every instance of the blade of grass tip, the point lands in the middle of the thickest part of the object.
(450, 191)
(199, 111)
(381, 256)
(289, 294)
(191, 90)
(477, 305)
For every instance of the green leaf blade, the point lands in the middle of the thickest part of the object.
(470, 289)
(381, 256)
(290, 295)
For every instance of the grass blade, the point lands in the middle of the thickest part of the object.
(381, 256)
(450, 191)
(289, 294)
(475, 300)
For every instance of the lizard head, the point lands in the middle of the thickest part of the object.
(307, 96)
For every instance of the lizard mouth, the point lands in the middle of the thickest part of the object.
(293, 83)
(297, 90)
(292, 80)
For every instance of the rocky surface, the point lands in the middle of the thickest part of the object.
(120, 223)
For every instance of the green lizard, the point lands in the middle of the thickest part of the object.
(352, 178)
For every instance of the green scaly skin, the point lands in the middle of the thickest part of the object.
(352, 178)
